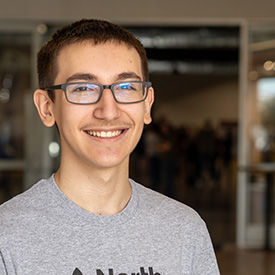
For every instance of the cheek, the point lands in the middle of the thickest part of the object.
(137, 113)
(139, 120)
(67, 117)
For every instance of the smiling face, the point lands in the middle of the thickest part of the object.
(100, 135)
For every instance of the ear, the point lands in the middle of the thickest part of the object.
(44, 106)
(148, 106)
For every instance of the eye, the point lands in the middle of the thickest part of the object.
(81, 89)
(127, 86)
(85, 88)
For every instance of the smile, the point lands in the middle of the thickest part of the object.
(105, 134)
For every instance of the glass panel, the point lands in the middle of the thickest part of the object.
(261, 96)
(261, 135)
(15, 56)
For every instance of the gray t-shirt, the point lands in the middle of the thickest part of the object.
(43, 232)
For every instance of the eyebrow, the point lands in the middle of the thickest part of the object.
(92, 77)
(127, 75)
(81, 77)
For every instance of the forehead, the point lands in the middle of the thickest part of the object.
(107, 59)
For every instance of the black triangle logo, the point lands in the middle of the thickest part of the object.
(77, 272)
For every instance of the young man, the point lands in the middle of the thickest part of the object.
(89, 218)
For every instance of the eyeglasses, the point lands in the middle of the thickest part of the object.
(90, 93)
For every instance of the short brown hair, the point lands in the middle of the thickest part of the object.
(99, 31)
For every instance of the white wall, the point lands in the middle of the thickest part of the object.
(138, 11)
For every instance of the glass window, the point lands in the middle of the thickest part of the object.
(15, 57)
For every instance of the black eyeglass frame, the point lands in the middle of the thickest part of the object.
(102, 88)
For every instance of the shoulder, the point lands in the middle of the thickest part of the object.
(25, 199)
(20, 216)
(163, 208)
(17, 210)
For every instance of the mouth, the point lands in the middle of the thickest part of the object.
(105, 134)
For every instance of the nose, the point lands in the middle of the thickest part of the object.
(107, 108)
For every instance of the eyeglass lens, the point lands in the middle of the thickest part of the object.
(124, 92)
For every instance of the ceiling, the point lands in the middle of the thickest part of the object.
(190, 50)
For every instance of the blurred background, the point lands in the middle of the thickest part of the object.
(211, 143)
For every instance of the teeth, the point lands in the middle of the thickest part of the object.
(104, 134)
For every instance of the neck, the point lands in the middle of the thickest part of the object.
(99, 191)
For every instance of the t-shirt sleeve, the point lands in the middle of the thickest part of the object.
(205, 260)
